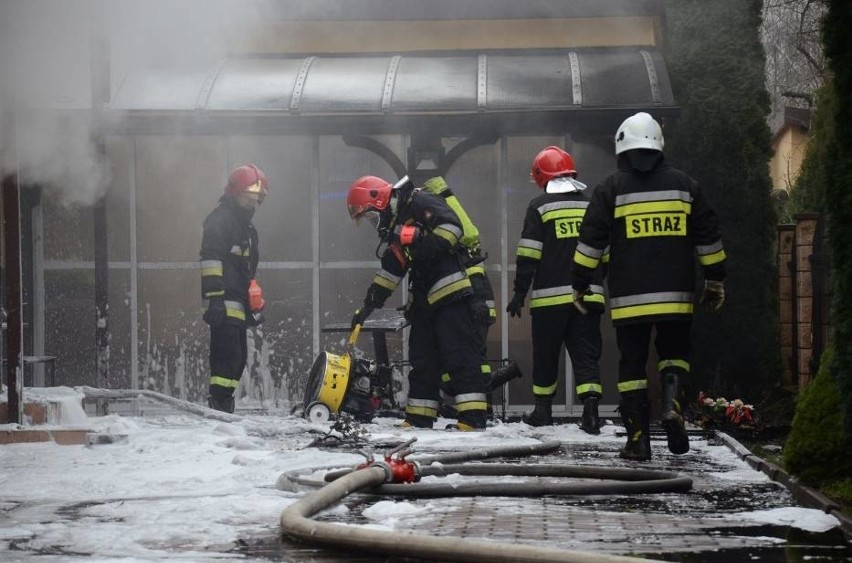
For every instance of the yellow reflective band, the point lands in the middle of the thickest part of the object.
(475, 270)
(224, 382)
(567, 228)
(645, 207)
(586, 261)
(684, 365)
(472, 406)
(447, 290)
(492, 312)
(423, 411)
(213, 271)
(589, 388)
(236, 314)
(651, 309)
(710, 259)
(445, 377)
(562, 214)
(533, 253)
(563, 299)
(635, 385)
(210, 294)
(384, 282)
(447, 235)
(485, 368)
(548, 391)
(656, 225)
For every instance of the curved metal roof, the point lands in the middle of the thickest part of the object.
(408, 84)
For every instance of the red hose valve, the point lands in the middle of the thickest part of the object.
(403, 471)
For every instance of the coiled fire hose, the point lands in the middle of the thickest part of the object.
(385, 477)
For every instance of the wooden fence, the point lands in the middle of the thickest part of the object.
(804, 296)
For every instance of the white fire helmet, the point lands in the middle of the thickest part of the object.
(639, 131)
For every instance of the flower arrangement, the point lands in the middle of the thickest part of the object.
(725, 415)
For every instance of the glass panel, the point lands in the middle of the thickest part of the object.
(339, 166)
(70, 302)
(179, 181)
(284, 220)
(69, 231)
(120, 154)
(174, 341)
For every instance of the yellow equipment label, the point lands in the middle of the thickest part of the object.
(656, 225)
(568, 227)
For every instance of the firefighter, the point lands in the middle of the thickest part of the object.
(470, 249)
(229, 257)
(420, 235)
(655, 221)
(543, 258)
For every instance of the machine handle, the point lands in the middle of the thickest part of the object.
(353, 336)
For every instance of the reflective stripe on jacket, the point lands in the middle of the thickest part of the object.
(546, 247)
(652, 226)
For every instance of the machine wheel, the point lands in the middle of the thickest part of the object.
(318, 412)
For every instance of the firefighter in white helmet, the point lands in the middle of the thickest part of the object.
(655, 222)
(229, 258)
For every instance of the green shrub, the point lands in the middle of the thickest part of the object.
(817, 450)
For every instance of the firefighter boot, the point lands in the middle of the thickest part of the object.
(416, 421)
(637, 423)
(542, 414)
(590, 423)
(224, 403)
(469, 421)
(671, 418)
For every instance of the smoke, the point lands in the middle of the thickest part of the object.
(51, 49)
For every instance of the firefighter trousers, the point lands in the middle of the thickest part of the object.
(672, 343)
(228, 357)
(445, 339)
(581, 334)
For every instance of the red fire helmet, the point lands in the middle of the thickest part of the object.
(367, 193)
(551, 163)
(247, 178)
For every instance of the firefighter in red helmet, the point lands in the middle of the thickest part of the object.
(421, 236)
(543, 257)
(232, 298)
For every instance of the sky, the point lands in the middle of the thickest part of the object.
(179, 486)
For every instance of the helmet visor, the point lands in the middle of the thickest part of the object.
(258, 190)
(371, 216)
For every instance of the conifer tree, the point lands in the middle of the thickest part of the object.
(837, 38)
(721, 138)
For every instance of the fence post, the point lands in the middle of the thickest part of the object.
(806, 230)
(786, 240)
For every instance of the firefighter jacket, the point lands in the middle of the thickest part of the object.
(229, 257)
(436, 271)
(546, 248)
(655, 223)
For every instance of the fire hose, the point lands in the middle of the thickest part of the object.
(396, 475)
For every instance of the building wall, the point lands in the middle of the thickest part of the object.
(789, 146)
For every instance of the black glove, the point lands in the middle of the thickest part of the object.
(360, 316)
(215, 314)
(256, 318)
(516, 304)
(714, 295)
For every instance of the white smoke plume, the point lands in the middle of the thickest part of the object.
(49, 50)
